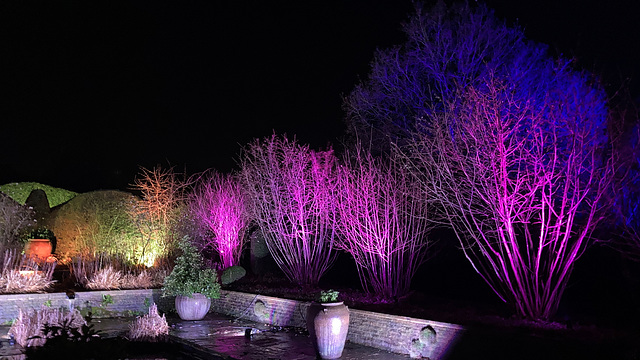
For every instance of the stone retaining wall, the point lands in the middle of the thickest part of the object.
(106, 303)
(388, 332)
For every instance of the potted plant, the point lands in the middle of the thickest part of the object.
(193, 286)
(328, 324)
(40, 243)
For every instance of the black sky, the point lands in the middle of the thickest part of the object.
(96, 89)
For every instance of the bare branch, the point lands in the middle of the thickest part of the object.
(291, 190)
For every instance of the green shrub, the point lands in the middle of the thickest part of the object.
(99, 222)
(189, 277)
(232, 274)
(20, 192)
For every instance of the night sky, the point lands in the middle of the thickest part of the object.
(93, 90)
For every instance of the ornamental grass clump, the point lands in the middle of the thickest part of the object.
(22, 274)
(189, 277)
(28, 328)
(105, 279)
(151, 327)
(104, 272)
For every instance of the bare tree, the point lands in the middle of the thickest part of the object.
(14, 218)
(161, 206)
(384, 223)
(291, 191)
(447, 47)
(219, 205)
(520, 175)
(625, 189)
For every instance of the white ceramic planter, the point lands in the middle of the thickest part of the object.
(192, 308)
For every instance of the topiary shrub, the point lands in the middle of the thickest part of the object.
(232, 274)
(21, 191)
(99, 222)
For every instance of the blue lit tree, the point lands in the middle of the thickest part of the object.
(510, 141)
(446, 49)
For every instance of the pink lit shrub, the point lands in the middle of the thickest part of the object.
(218, 205)
(520, 176)
(384, 220)
(291, 190)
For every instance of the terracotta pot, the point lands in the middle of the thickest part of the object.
(192, 308)
(40, 248)
(328, 324)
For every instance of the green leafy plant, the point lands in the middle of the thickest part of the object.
(41, 233)
(188, 276)
(106, 300)
(328, 296)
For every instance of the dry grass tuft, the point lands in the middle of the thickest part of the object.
(103, 272)
(105, 279)
(22, 274)
(151, 327)
(143, 280)
(31, 324)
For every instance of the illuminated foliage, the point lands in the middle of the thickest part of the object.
(291, 192)
(219, 206)
(97, 222)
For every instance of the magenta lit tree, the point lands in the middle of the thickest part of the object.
(519, 173)
(384, 219)
(218, 204)
(291, 192)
